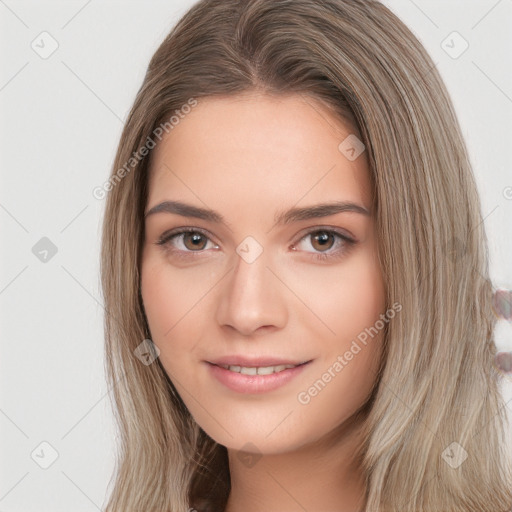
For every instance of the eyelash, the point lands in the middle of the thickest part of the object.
(347, 243)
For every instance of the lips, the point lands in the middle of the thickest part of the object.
(256, 362)
(248, 382)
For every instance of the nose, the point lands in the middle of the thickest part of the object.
(252, 299)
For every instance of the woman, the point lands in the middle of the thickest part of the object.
(293, 228)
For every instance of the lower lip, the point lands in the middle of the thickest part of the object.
(254, 383)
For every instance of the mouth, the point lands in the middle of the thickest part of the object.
(255, 379)
(259, 370)
(246, 361)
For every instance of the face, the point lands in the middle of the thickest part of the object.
(242, 266)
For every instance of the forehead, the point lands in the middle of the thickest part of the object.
(257, 151)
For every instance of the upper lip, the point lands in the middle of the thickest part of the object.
(252, 362)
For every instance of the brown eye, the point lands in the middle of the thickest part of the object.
(194, 241)
(322, 240)
(325, 244)
(183, 242)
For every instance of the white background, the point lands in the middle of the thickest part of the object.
(61, 119)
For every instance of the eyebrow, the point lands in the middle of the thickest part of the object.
(284, 217)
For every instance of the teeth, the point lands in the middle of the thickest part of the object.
(260, 370)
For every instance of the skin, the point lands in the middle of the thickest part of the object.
(249, 157)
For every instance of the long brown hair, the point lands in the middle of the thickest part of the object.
(437, 393)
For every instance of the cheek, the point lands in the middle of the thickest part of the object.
(179, 311)
(335, 393)
(343, 299)
(172, 296)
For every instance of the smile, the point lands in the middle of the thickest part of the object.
(259, 370)
(255, 380)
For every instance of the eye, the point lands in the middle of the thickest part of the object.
(186, 240)
(326, 243)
